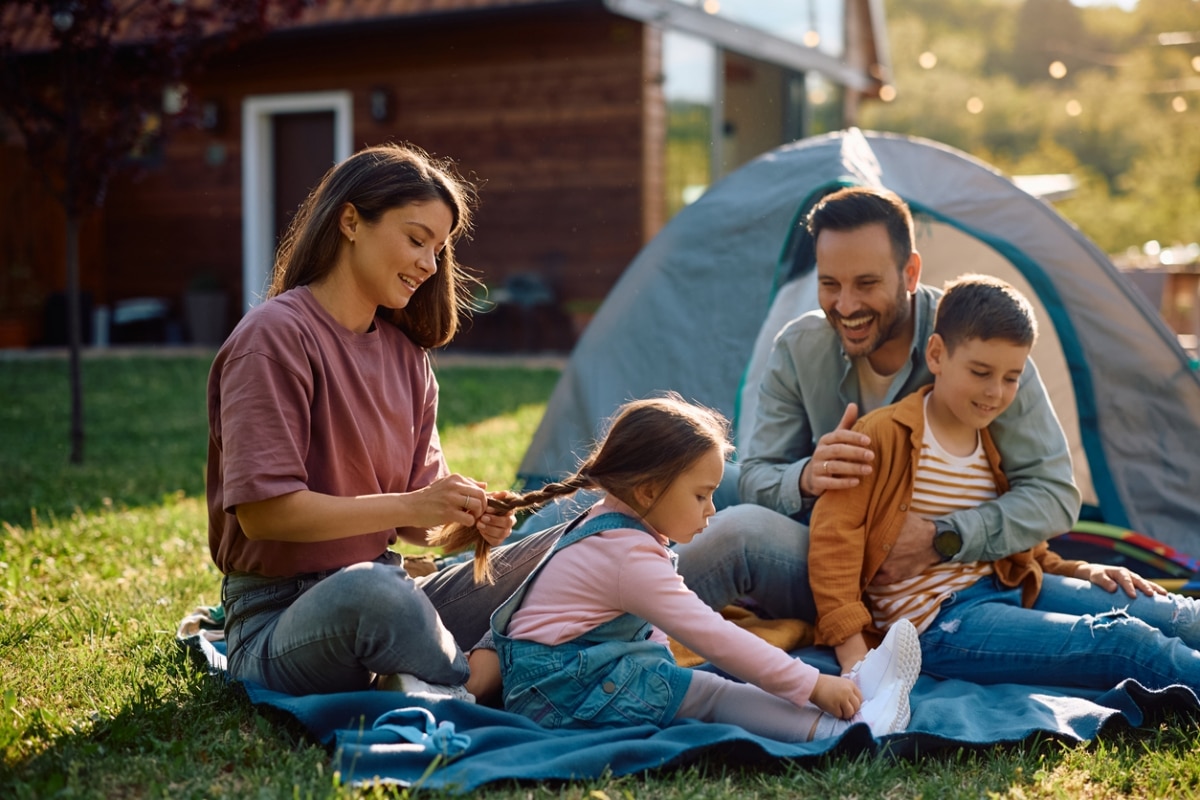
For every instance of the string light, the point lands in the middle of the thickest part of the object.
(811, 38)
(927, 60)
(974, 105)
(1058, 70)
(1074, 108)
(887, 93)
(712, 6)
(1179, 103)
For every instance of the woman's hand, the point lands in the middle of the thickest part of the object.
(1110, 578)
(837, 696)
(453, 498)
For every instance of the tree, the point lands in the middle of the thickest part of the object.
(974, 74)
(87, 83)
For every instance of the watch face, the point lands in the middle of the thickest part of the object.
(947, 543)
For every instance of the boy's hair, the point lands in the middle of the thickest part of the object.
(984, 307)
(851, 208)
(649, 441)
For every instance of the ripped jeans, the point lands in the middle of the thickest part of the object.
(1076, 634)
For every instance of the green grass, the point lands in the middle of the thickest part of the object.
(96, 700)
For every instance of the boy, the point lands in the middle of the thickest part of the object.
(1017, 619)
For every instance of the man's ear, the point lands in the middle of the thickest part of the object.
(935, 353)
(912, 272)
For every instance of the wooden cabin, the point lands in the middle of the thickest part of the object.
(585, 124)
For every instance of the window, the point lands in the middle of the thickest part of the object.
(689, 84)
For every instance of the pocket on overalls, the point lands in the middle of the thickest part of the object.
(532, 704)
(625, 692)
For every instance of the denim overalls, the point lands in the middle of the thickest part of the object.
(612, 675)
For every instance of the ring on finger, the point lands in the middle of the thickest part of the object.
(826, 467)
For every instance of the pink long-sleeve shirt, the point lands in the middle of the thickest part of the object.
(624, 570)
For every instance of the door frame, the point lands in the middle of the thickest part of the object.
(258, 175)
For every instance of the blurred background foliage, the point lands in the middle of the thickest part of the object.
(1111, 96)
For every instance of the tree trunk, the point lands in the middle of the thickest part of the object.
(74, 337)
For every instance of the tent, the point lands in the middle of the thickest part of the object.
(698, 308)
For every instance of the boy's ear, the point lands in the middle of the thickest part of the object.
(935, 353)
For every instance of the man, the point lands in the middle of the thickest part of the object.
(862, 350)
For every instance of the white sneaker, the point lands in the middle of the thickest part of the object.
(886, 676)
(411, 684)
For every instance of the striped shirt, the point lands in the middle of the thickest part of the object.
(943, 483)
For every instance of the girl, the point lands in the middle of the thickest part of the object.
(584, 641)
(324, 450)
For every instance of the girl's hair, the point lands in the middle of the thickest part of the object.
(649, 441)
(376, 180)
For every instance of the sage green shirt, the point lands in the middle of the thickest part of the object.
(808, 382)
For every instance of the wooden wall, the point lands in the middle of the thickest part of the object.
(33, 266)
(545, 108)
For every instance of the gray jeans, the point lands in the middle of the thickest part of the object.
(748, 551)
(333, 631)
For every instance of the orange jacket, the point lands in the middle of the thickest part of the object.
(853, 530)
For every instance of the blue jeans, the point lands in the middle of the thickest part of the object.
(333, 631)
(1076, 634)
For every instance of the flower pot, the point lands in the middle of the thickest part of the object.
(205, 312)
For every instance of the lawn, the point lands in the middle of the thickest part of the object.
(99, 562)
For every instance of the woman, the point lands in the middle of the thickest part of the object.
(324, 450)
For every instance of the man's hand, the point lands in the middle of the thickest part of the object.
(840, 458)
(912, 553)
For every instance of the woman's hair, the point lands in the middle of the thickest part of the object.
(376, 180)
(649, 441)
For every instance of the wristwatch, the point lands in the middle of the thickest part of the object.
(946, 541)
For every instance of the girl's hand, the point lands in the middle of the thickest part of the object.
(1111, 578)
(837, 696)
(495, 526)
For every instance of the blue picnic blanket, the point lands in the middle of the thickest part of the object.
(456, 746)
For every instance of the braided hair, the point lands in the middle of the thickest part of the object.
(649, 441)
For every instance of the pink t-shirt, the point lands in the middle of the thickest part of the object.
(629, 571)
(296, 401)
